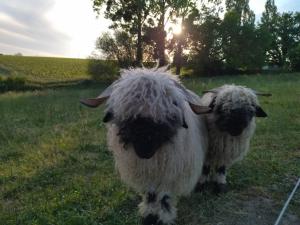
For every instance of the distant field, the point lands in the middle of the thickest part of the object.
(44, 69)
(55, 167)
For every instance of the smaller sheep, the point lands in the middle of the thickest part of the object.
(230, 126)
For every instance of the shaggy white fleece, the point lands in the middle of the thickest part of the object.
(225, 149)
(176, 166)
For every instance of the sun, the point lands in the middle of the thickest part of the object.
(173, 29)
(176, 27)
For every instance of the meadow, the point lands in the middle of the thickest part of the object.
(55, 167)
(44, 69)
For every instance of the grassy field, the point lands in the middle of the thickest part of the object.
(55, 167)
(44, 69)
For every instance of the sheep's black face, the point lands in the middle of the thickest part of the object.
(145, 135)
(235, 121)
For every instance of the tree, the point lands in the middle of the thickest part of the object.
(119, 47)
(204, 31)
(270, 23)
(294, 56)
(240, 39)
(181, 10)
(283, 33)
(143, 18)
(129, 16)
(203, 37)
(162, 12)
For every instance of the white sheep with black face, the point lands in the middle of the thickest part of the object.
(230, 126)
(157, 140)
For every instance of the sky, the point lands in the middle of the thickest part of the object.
(66, 28)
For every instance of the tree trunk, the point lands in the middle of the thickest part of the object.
(161, 36)
(178, 56)
(178, 53)
(139, 49)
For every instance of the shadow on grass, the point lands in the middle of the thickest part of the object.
(36, 86)
(81, 186)
(13, 155)
(85, 160)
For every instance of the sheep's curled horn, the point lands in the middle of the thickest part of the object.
(95, 102)
(262, 94)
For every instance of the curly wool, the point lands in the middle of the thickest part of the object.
(225, 149)
(147, 92)
(177, 165)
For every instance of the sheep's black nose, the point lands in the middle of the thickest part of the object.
(234, 122)
(146, 135)
(235, 131)
(145, 149)
(236, 127)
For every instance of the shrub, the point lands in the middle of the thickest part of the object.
(12, 83)
(295, 58)
(103, 70)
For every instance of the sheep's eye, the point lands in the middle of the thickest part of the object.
(175, 103)
(108, 117)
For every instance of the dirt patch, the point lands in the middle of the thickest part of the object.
(258, 211)
(239, 210)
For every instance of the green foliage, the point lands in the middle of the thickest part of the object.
(145, 21)
(239, 35)
(101, 70)
(12, 83)
(205, 55)
(223, 45)
(295, 58)
(55, 167)
(288, 35)
(129, 16)
(119, 47)
(282, 31)
(214, 40)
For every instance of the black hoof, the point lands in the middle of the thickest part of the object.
(220, 188)
(200, 187)
(151, 220)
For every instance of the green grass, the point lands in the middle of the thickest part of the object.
(44, 69)
(55, 167)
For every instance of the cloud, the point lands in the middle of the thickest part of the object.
(24, 26)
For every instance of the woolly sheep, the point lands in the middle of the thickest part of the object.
(157, 140)
(230, 126)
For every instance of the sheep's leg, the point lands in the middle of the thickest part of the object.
(157, 209)
(203, 179)
(220, 180)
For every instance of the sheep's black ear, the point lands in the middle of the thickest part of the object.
(213, 103)
(260, 112)
(108, 117)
